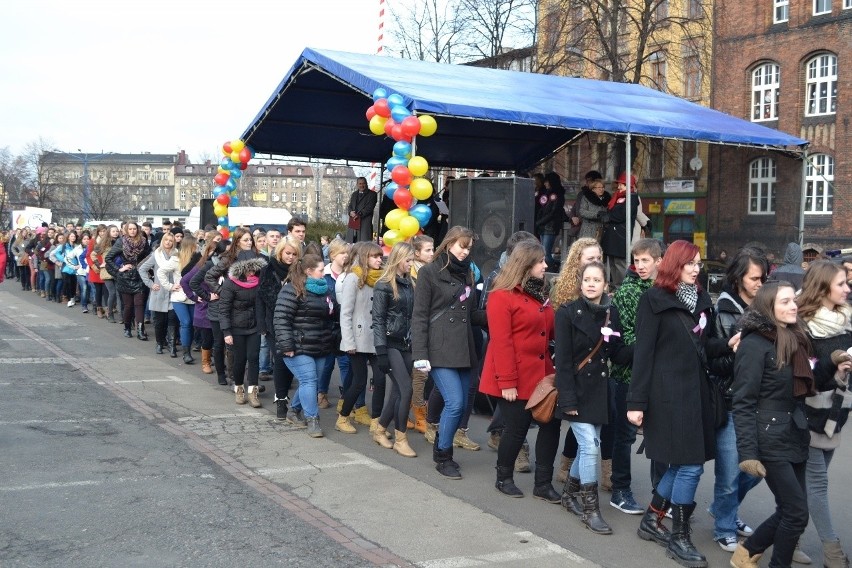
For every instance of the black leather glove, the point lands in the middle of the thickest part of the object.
(383, 362)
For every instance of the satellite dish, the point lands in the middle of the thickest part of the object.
(696, 163)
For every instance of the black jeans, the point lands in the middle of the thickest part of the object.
(358, 364)
(624, 435)
(206, 335)
(219, 349)
(401, 390)
(134, 308)
(282, 376)
(246, 353)
(161, 323)
(379, 386)
(783, 529)
(517, 420)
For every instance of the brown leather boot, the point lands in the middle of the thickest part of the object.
(400, 445)
(206, 361)
(380, 435)
(420, 422)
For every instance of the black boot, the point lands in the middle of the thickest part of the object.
(140, 332)
(127, 332)
(187, 355)
(543, 489)
(170, 341)
(591, 516)
(569, 495)
(444, 462)
(505, 484)
(680, 546)
(652, 527)
(159, 348)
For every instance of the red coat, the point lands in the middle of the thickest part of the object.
(519, 330)
(92, 260)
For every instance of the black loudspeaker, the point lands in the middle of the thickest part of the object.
(206, 215)
(494, 208)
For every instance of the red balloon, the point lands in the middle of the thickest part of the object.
(226, 147)
(224, 232)
(411, 126)
(245, 155)
(224, 199)
(221, 179)
(402, 176)
(243, 165)
(371, 112)
(398, 135)
(389, 124)
(402, 197)
(386, 250)
(382, 108)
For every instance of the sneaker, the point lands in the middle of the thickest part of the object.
(494, 440)
(727, 543)
(800, 557)
(624, 502)
(85, 310)
(743, 529)
(71, 303)
(281, 409)
(294, 417)
(460, 440)
(314, 430)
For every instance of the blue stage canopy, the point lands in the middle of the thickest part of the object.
(487, 118)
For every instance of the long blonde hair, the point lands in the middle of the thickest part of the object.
(567, 286)
(400, 252)
(188, 247)
(516, 271)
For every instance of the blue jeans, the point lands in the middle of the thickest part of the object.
(343, 365)
(731, 484)
(679, 483)
(585, 467)
(83, 290)
(453, 384)
(184, 314)
(45, 277)
(307, 370)
(265, 358)
(547, 242)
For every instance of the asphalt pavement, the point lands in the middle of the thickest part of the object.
(115, 456)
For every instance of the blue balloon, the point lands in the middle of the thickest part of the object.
(402, 149)
(390, 188)
(227, 164)
(236, 173)
(396, 161)
(379, 93)
(422, 213)
(399, 113)
(235, 202)
(219, 190)
(223, 221)
(232, 184)
(396, 100)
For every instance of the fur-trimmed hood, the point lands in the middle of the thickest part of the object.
(753, 321)
(241, 268)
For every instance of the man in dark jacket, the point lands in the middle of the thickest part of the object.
(362, 203)
(614, 238)
(792, 270)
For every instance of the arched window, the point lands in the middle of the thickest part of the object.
(761, 186)
(765, 90)
(821, 85)
(819, 177)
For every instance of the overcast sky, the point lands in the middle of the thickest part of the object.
(159, 76)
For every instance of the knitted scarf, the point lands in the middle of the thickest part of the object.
(619, 195)
(830, 323)
(687, 294)
(249, 282)
(130, 250)
(318, 286)
(535, 287)
(372, 275)
(803, 376)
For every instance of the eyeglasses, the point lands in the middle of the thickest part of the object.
(693, 264)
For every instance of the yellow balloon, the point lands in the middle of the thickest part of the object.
(408, 226)
(421, 188)
(428, 126)
(220, 210)
(236, 146)
(377, 125)
(390, 237)
(235, 156)
(221, 170)
(418, 166)
(393, 217)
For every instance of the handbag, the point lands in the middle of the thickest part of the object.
(354, 223)
(104, 274)
(542, 402)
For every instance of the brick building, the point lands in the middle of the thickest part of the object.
(783, 64)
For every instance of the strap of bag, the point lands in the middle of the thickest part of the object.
(594, 352)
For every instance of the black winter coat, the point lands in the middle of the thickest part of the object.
(729, 310)
(578, 329)
(669, 382)
(770, 423)
(238, 304)
(271, 280)
(392, 317)
(551, 213)
(129, 281)
(215, 276)
(306, 325)
(614, 238)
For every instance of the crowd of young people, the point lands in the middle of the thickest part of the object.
(757, 382)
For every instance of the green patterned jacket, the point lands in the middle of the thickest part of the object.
(626, 300)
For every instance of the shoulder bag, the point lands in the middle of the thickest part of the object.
(542, 402)
(717, 398)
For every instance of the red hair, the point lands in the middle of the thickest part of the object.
(677, 255)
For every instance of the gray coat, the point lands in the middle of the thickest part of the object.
(356, 320)
(588, 212)
(158, 300)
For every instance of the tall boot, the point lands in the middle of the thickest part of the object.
(652, 527)
(543, 489)
(591, 516)
(229, 364)
(140, 332)
(680, 546)
(570, 495)
(444, 463)
(187, 354)
(170, 340)
(206, 367)
(505, 484)
(127, 331)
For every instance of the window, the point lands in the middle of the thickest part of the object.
(279, 171)
(182, 195)
(329, 171)
(782, 11)
(696, 10)
(184, 182)
(209, 170)
(822, 7)
(658, 71)
(162, 176)
(143, 175)
(819, 177)
(847, 4)
(274, 196)
(761, 190)
(298, 171)
(692, 77)
(765, 90)
(578, 25)
(295, 197)
(261, 169)
(264, 182)
(304, 197)
(274, 183)
(821, 85)
(661, 12)
(688, 150)
(656, 157)
(189, 170)
(194, 182)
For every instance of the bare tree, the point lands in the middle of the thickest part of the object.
(430, 30)
(493, 26)
(12, 174)
(42, 175)
(107, 197)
